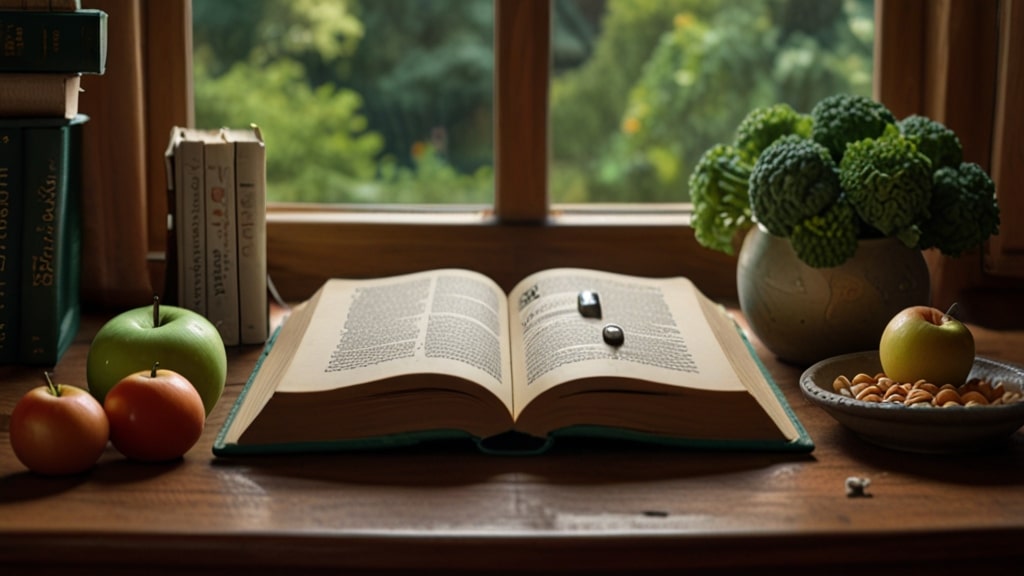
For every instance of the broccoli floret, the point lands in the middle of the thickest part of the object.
(765, 125)
(887, 181)
(829, 239)
(964, 211)
(718, 190)
(934, 140)
(794, 179)
(844, 118)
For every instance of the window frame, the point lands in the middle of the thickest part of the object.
(522, 233)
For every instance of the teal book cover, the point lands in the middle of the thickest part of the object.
(51, 238)
(73, 42)
(10, 241)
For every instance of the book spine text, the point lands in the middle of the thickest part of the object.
(53, 41)
(221, 241)
(10, 241)
(191, 226)
(250, 166)
(50, 244)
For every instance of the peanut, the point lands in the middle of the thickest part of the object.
(921, 394)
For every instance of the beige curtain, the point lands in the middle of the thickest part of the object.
(132, 108)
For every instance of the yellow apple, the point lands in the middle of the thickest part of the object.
(924, 342)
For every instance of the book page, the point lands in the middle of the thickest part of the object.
(443, 322)
(666, 338)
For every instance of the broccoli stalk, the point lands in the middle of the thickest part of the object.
(721, 205)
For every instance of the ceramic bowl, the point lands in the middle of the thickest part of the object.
(929, 430)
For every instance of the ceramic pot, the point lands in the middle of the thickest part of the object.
(804, 314)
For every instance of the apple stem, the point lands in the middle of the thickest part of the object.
(54, 388)
(155, 366)
(156, 311)
(953, 312)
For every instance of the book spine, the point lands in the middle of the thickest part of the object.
(10, 241)
(221, 240)
(54, 5)
(39, 95)
(51, 243)
(191, 226)
(251, 198)
(72, 41)
(172, 274)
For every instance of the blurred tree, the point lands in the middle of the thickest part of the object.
(390, 100)
(632, 129)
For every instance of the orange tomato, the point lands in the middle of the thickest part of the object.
(155, 415)
(58, 429)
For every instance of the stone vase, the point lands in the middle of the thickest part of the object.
(804, 314)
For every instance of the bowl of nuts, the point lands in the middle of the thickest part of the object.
(919, 416)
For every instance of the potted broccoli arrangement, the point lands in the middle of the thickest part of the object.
(834, 208)
(845, 172)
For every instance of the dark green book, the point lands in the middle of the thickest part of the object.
(10, 241)
(53, 41)
(51, 238)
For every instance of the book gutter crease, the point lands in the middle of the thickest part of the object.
(216, 190)
(46, 47)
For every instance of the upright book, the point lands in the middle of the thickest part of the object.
(73, 42)
(251, 220)
(185, 163)
(221, 238)
(51, 238)
(367, 364)
(11, 200)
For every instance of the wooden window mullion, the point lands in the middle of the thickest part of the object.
(522, 75)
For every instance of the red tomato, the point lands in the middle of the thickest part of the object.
(58, 429)
(155, 415)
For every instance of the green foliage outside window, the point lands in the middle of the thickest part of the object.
(380, 101)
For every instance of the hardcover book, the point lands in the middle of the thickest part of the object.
(221, 238)
(39, 95)
(186, 185)
(51, 238)
(73, 42)
(11, 200)
(251, 220)
(377, 363)
(40, 4)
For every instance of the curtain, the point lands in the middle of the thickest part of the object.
(124, 187)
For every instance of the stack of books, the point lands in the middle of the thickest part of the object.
(45, 48)
(217, 249)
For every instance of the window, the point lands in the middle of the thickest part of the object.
(391, 101)
(519, 233)
(388, 101)
(641, 89)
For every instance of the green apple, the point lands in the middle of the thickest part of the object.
(924, 342)
(179, 339)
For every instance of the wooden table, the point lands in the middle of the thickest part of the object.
(582, 509)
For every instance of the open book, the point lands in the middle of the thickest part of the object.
(398, 360)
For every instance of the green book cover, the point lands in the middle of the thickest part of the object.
(10, 241)
(51, 239)
(53, 41)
